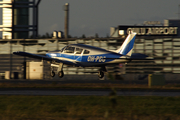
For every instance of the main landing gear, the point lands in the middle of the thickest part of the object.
(60, 72)
(101, 72)
(52, 74)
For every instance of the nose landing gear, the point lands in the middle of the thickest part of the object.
(60, 72)
(52, 74)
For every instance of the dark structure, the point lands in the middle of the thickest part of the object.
(16, 19)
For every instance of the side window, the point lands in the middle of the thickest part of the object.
(86, 51)
(79, 50)
(69, 49)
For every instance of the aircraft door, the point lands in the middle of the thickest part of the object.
(78, 54)
(85, 55)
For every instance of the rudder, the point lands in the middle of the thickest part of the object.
(127, 46)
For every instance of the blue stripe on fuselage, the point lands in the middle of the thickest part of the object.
(101, 58)
(53, 54)
(68, 56)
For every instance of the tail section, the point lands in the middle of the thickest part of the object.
(127, 46)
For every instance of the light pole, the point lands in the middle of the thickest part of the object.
(66, 26)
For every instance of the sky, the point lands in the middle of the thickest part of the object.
(97, 16)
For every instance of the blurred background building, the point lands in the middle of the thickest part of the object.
(149, 28)
(16, 21)
(164, 50)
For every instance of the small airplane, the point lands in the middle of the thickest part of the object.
(81, 55)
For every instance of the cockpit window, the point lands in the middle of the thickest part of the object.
(86, 51)
(69, 49)
(79, 50)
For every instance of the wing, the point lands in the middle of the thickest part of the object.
(42, 57)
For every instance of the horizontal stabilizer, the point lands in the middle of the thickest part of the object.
(138, 56)
(134, 56)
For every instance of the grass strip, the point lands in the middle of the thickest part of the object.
(88, 107)
(56, 85)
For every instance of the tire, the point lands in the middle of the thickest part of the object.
(52, 74)
(60, 74)
(101, 74)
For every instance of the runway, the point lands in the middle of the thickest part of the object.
(84, 92)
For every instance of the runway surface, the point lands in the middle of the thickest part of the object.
(84, 92)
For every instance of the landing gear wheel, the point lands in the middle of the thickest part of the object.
(60, 74)
(52, 74)
(101, 74)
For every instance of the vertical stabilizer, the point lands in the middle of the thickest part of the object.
(127, 46)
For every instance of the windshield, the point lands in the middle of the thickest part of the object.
(63, 49)
(69, 49)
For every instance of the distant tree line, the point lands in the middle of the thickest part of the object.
(47, 35)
